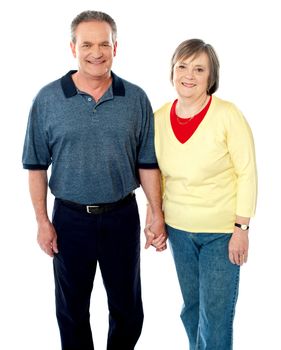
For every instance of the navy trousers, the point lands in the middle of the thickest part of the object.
(113, 240)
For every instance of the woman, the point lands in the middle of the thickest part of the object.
(206, 155)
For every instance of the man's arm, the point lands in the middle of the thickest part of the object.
(38, 187)
(155, 226)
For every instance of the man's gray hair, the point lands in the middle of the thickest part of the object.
(88, 16)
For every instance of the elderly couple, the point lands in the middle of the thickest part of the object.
(195, 161)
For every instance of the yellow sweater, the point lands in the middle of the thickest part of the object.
(212, 177)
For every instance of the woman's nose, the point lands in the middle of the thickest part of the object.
(189, 74)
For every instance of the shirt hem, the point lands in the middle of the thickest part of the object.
(35, 167)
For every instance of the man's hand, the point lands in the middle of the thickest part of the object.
(155, 231)
(156, 235)
(47, 238)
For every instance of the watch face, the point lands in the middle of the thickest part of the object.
(244, 227)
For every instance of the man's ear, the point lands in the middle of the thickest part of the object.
(114, 48)
(73, 49)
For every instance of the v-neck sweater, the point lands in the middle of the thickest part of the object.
(185, 128)
(212, 177)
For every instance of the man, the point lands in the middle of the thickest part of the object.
(96, 130)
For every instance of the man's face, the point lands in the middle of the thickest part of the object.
(94, 49)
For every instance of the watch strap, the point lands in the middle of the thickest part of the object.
(243, 227)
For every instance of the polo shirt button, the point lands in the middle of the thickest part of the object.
(94, 110)
(89, 99)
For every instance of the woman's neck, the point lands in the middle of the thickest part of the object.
(189, 107)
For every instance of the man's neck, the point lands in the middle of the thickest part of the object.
(96, 87)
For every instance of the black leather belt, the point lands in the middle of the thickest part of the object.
(97, 208)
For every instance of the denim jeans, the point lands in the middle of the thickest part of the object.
(209, 286)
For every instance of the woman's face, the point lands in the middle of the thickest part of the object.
(191, 76)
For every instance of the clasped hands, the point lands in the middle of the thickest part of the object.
(156, 235)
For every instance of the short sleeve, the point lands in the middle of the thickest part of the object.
(146, 150)
(36, 154)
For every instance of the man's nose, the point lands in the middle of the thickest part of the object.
(96, 51)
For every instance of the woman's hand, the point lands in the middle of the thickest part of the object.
(238, 247)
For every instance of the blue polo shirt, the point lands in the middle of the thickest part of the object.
(94, 148)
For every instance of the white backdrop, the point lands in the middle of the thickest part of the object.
(34, 51)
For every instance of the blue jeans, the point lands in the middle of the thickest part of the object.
(209, 285)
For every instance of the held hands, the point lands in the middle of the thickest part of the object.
(155, 231)
(156, 235)
(47, 238)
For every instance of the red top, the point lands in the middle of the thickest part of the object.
(184, 128)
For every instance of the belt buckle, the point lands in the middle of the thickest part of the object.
(89, 207)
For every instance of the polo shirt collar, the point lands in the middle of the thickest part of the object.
(70, 89)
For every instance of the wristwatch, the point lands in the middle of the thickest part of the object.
(243, 227)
